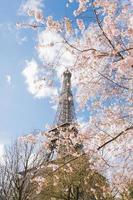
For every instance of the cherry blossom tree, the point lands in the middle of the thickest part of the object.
(96, 44)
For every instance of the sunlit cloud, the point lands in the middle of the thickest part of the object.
(8, 79)
(35, 5)
(37, 85)
(21, 40)
(51, 49)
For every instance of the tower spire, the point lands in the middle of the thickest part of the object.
(65, 112)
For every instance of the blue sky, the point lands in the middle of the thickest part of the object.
(21, 113)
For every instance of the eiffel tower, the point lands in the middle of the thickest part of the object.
(65, 119)
(66, 111)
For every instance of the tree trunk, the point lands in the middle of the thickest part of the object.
(77, 193)
(69, 194)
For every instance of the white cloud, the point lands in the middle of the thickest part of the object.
(21, 40)
(35, 5)
(8, 79)
(52, 50)
(54, 106)
(35, 80)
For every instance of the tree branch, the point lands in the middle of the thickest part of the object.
(114, 138)
(104, 34)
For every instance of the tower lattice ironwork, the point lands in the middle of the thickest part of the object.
(65, 120)
(66, 111)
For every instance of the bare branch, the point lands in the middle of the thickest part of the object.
(114, 138)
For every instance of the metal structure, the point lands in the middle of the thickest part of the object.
(65, 120)
(65, 112)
